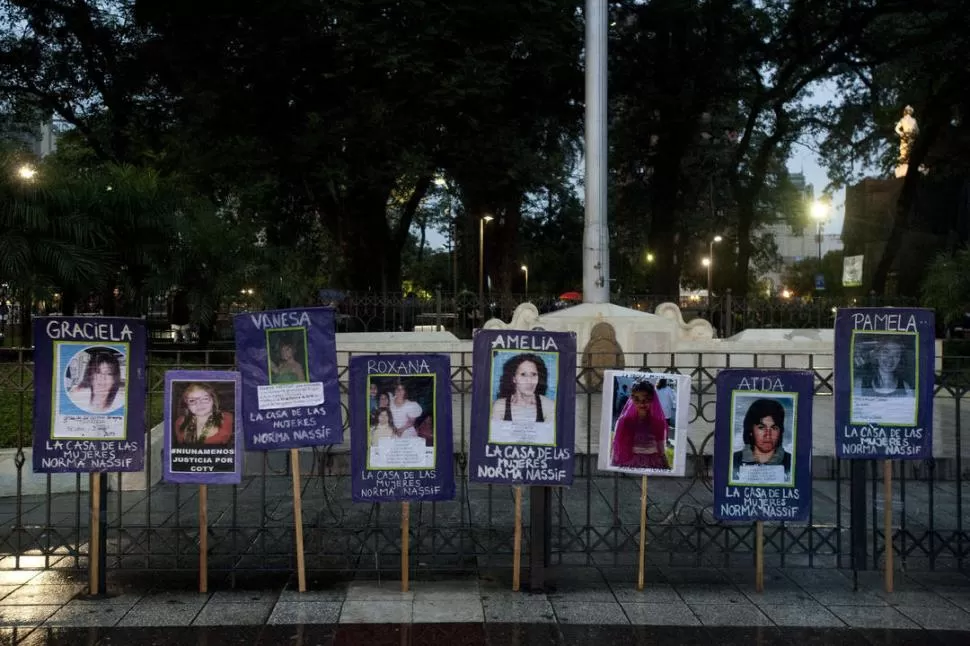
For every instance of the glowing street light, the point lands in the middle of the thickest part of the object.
(708, 264)
(26, 172)
(481, 260)
(820, 211)
(525, 268)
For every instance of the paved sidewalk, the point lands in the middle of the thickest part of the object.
(584, 596)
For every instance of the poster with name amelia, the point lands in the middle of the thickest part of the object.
(290, 393)
(763, 445)
(203, 441)
(884, 361)
(523, 407)
(89, 394)
(400, 428)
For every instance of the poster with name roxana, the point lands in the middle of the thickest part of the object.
(763, 445)
(89, 394)
(400, 425)
(203, 441)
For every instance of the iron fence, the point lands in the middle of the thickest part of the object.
(595, 522)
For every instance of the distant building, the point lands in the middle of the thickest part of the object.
(39, 140)
(794, 244)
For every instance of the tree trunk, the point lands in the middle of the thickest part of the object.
(745, 220)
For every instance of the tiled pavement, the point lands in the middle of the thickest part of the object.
(44, 602)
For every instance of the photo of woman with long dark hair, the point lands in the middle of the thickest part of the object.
(99, 390)
(522, 413)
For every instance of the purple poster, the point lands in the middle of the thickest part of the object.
(763, 445)
(89, 394)
(290, 394)
(400, 428)
(523, 407)
(203, 441)
(884, 360)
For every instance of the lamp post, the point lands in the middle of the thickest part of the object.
(481, 262)
(442, 183)
(525, 268)
(707, 263)
(820, 211)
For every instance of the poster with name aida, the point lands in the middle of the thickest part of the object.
(523, 407)
(203, 440)
(89, 394)
(290, 393)
(763, 445)
(643, 427)
(400, 426)
(884, 360)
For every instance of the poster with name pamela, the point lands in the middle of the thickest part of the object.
(643, 428)
(763, 445)
(290, 393)
(523, 407)
(401, 430)
(203, 442)
(89, 394)
(884, 359)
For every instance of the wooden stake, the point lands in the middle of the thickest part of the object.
(298, 519)
(405, 543)
(643, 530)
(759, 556)
(517, 540)
(94, 545)
(887, 511)
(203, 538)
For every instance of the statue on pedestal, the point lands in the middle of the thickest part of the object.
(907, 129)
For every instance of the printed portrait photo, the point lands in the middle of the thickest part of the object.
(203, 427)
(90, 391)
(644, 422)
(402, 428)
(523, 395)
(884, 378)
(286, 350)
(94, 377)
(763, 438)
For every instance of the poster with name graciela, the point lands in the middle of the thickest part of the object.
(288, 361)
(523, 407)
(203, 443)
(884, 359)
(89, 394)
(763, 445)
(400, 428)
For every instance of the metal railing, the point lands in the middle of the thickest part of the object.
(595, 522)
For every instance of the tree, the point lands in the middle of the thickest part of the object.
(916, 58)
(946, 286)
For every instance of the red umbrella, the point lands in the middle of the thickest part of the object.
(571, 296)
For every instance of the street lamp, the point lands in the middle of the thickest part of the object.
(481, 261)
(820, 211)
(442, 183)
(26, 172)
(525, 268)
(708, 262)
